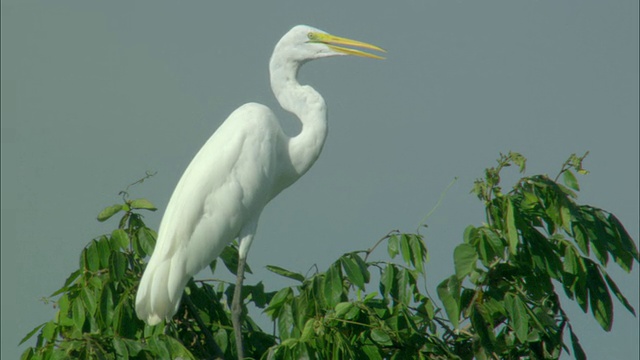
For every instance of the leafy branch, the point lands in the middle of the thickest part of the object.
(501, 302)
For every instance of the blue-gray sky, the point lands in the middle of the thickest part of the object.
(96, 93)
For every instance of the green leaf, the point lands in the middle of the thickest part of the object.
(121, 348)
(570, 180)
(117, 265)
(109, 211)
(278, 300)
(519, 160)
(449, 294)
(159, 348)
(494, 241)
(78, 312)
(212, 265)
(543, 254)
(353, 313)
(599, 246)
(529, 201)
(371, 352)
(470, 234)
(342, 308)
(27, 354)
(91, 257)
(479, 189)
(405, 249)
(582, 291)
(392, 246)
(104, 250)
(581, 237)
(49, 331)
(229, 257)
(307, 331)
(153, 331)
(133, 346)
(381, 337)
(483, 325)
(258, 295)
(628, 245)
(143, 204)
(333, 285)
(74, 275)
(565, 216)
(147, 240)
(290, 343)
(285, 322)
(618, 293)
(578, 352)
(286, 273)
(493, 306)
(364, 268)
(403, 286)
(370, 296)
(222, 339)
(106, 306)
(519, 316)
(176, 349)
(123, 220)
(418, 252)
(598, 229)
(353, 272)
(601, 304)
(570, 263)
(464, 258)
(30, 334)
(89, 300)
(387, 279)
(512, 232)
(120, 239)
(62, 317)
(488, 245)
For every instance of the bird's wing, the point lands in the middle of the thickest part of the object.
(225, 183)
(225, 186)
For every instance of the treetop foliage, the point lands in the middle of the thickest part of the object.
(501, 301)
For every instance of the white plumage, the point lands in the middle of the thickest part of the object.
(222, 192)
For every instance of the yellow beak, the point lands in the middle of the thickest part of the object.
(333, 42)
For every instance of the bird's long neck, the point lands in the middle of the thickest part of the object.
(308, 105)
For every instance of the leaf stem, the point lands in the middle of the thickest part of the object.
(370, 250)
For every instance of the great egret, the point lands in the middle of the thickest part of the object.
(246, 163)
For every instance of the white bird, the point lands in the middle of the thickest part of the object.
(244, 164)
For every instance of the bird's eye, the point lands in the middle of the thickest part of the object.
(311, 36)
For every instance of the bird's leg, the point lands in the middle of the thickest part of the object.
(246, 237)
(236, 307)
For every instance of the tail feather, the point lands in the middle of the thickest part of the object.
(161, 289)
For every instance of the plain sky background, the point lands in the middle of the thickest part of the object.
(96, 93)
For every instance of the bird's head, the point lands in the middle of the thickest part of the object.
(303, 43)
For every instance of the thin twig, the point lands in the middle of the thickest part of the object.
(424, 220)
(125, 192)
(370, 250)
(311, 268)
(208, 338)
